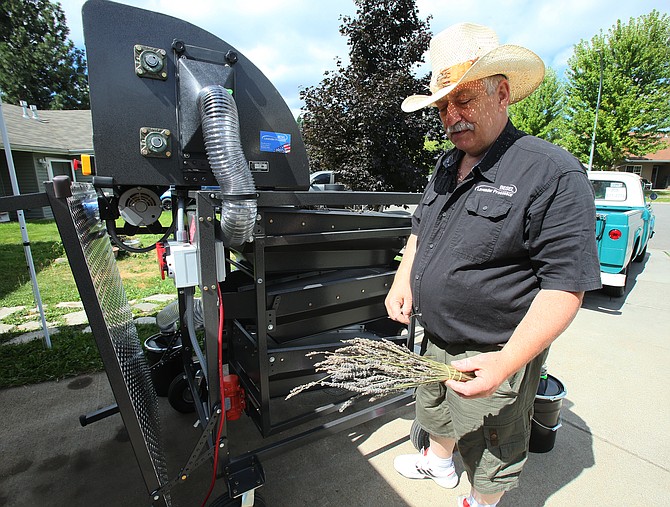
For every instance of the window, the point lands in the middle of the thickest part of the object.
(614, 191)
(635, 169)
(321, 179)
(60, 167)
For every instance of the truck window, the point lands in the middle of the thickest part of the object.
(321, 179)
(610, 190)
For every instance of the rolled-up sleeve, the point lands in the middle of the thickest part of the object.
(561, 234)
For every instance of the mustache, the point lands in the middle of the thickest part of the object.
(459, 127)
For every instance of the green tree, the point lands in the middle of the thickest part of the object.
(540, 114)
(635, 104)
(38, 63)
(352, 120)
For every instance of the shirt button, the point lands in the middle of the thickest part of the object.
(416, 277)
(485, 208)
(430, 246)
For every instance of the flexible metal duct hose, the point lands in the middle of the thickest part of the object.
(221, 132)
(168, 316)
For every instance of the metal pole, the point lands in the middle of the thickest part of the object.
(22, 223)
(595, 122)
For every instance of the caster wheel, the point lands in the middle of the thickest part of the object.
(179, 395)
(419, 437)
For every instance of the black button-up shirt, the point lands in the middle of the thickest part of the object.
(521, 221)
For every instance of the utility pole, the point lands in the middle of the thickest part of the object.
(595, 122)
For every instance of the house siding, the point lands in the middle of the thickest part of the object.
(25, 166)
(31, 175)
(41, 175)
(5, 182)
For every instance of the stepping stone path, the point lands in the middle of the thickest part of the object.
(33, 325)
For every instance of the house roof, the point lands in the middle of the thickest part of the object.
(56, 132)
(662, 155)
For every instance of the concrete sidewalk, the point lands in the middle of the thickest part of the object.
(611, 450)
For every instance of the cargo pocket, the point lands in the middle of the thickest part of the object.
(506, 449)
(479, 227)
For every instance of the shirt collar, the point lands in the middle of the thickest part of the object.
(487, 167)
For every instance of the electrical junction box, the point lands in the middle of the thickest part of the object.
(182, 264)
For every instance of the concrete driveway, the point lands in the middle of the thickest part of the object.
(610, 451)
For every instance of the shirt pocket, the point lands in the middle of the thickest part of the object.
(479, 226)
(426, 208)
(428, 196)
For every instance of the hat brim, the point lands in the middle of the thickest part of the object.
(523, 68)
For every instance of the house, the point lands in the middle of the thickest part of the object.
(44, 144)
(654, 167)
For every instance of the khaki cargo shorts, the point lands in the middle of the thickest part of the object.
(492, 433)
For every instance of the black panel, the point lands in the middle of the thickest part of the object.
(123, 102)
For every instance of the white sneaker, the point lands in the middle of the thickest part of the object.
(417, 466)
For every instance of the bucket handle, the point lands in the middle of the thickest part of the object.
(555, 428)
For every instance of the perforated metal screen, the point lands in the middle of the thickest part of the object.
(128, 354)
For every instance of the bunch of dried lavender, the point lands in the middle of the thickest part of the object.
(378, 368)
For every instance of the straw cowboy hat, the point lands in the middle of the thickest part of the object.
(467, 52)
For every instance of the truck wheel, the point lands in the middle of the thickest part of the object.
(640, 257)
(617, 292)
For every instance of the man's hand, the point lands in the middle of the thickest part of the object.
(399, 299)
(399, 302)
(490, 371)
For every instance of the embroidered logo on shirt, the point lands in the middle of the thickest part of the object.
(508, 190)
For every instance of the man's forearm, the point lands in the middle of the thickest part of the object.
(399, 299)
(549, 315)
(405, 266)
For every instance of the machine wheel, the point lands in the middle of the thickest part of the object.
(225, 501)
(179, 395)
(640, 257)
(418, 436)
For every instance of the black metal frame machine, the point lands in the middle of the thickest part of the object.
(281, 270)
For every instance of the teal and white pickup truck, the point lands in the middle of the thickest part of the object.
(624, 225)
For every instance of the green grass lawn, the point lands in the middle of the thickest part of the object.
(73, 351)
(663, 195)
(54, 277)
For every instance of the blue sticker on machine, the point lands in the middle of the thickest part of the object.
(275, 142)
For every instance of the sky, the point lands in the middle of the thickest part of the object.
(293, 42)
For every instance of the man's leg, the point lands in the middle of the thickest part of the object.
(443, 447)
(486, 499)
(433, 415)
(477, 499)
(435, 462)
(494, 447)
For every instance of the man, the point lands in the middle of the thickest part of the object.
(501, 251)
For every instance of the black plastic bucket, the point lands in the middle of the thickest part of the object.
(547, 417)
(165, 365)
